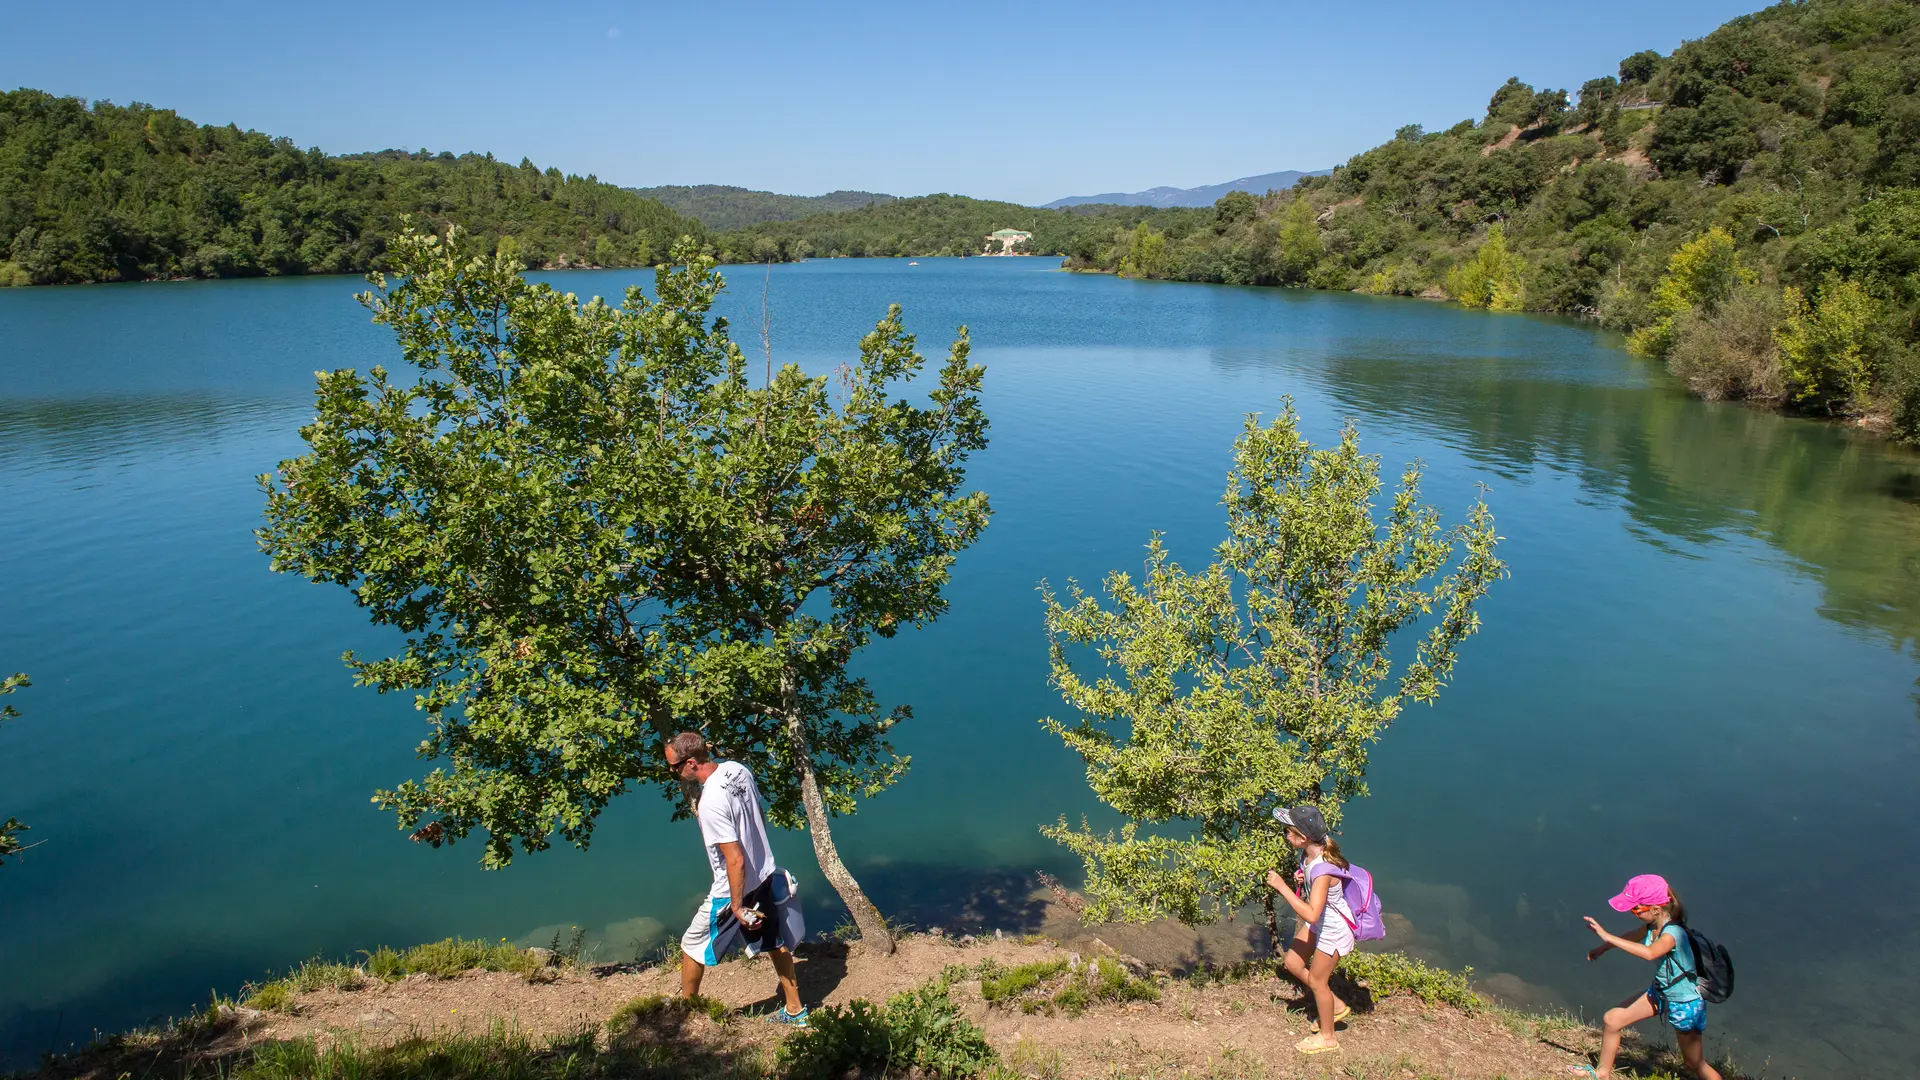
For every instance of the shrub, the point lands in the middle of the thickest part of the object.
(999, 985)
(456, 956)
(1730, 352)
(1824, 343)
(666, 1007)
(318, 974)
(1492, 278)
(918, 1029)
(385, 964)
(835, 1042)
(1702, 274)
(927, 1032)
(1392, 972)
(276, 996)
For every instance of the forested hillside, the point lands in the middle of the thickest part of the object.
(1748, 208)
(929, 225)
(113, 193)
(719, 206)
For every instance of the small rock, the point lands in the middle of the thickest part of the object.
(936, 932)
(544, 956)
(378, 1018)
(997, 935)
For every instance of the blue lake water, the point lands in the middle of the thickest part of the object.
(1704, 664)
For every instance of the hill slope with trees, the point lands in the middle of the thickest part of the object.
(719, 206)
(1748, 208)
(930, 225)
(124, 193)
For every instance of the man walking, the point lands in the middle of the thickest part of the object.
(750, 902)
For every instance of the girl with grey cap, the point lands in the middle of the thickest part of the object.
(1326, 922)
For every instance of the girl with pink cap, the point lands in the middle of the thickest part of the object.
(1674, 993)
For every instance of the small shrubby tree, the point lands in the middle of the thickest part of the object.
(1260, 681)
(11, 829)
(594, 530)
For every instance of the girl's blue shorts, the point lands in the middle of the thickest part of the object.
(1689, 1016)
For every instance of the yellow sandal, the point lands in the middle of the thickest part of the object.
(1309, 1046)
(1345, 1010)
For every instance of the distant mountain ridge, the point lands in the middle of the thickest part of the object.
(1172, 196)
(722, 206)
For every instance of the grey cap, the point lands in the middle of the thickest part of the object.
(1308, 819)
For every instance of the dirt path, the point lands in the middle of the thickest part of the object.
(1245, 1029)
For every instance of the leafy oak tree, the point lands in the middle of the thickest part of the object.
(10, 831)
(594, 530)
(1260, 681)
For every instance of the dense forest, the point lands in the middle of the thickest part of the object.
(112, 193)
(934, 225)
(1748, 208)
(718, 206)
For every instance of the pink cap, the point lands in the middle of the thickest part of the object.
(1648, 889)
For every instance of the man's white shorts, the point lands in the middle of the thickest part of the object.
(714, 932)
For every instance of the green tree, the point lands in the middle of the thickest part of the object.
(1512, 104)
(1640, 67)
(1824, 343)
(1493, 278)
(1300, 244)
(1146, 255)
(10, 831)
(1700, 275)
(594, 529)
(1261, 681)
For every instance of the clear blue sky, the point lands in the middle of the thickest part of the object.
(1027, 101)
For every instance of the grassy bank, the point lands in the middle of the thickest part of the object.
(996, 1009)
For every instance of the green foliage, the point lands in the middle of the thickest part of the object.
(112, 193)
(1146, 255)
(275, 996)
(1000, 985)
(593, 531)
(1260, 681)
(1394, 973)
(457, 956)
(319, 974)
(918, 1029)
(1492, 278)
(669, 1007)
(11, 829)
(718, 206)
(941, 225)
(1824, 343)
(385, 964)
(1700, 275)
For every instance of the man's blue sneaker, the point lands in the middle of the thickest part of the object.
(798, 1019)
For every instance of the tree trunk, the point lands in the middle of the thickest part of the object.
(874, 935)
(1273, 926)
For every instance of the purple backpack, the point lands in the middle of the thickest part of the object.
(1356, 886)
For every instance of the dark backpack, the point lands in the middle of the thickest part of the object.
(1712, 967)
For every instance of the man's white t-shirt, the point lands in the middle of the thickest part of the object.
(730, 813)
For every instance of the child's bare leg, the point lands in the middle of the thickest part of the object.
(1693, 1051)
(1617, 1020)
(1299, 953)
(1317, 981)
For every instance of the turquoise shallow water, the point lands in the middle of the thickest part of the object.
(1704, 664)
